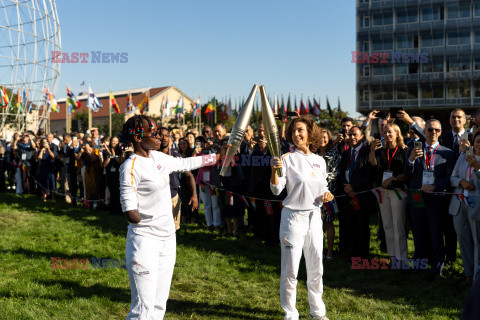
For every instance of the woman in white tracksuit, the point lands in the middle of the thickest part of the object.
(146, 202)
(305, 176)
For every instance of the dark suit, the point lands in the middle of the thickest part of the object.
(355, 220)
(427, 222)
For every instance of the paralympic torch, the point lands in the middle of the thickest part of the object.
(238, 131)
(270, 127)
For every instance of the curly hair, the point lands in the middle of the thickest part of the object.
(312, 130)
(138, 124)
(331, 143)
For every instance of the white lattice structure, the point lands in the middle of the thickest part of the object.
(29, 32)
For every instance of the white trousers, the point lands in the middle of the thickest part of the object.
(210, 208)
(393, 212)
(18, 180)
(150, 265)
(301, 230)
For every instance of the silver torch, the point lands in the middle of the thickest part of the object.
(270, 127)
(238, 131)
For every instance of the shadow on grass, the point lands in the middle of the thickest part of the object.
(188, 308)
(100, 219)
(71, 289)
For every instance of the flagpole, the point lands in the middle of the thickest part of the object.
(110, 114)
(183, 108)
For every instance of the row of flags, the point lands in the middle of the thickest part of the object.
(22, 100)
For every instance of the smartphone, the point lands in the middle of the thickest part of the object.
(418, 145)
(291, 114)
(464, 137)
(395, 110)
(469, 151)
(377, 136)
(198, 144)
(381, 114)
(343, 132)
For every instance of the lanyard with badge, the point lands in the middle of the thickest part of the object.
(388, 174)
(428, 176)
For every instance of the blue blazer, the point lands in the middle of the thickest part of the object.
(460, 173)
(443, 167)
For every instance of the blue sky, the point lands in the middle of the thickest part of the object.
(213, 47)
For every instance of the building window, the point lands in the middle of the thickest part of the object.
(366, 71)
(382, 19)
(476, 87)
(407, 92)
(477, 36)
(476, 9)
(432, 40)
(458, 64)
(432, 14)
(401, 68)
(476, 64)
(384, 92)
(455, 38)
(407, 16)
(365, 21)
(460, 90)
(432, 91)
(382, 44)
(458, 11)
(364, 1)
(366, 46)
(433, 65)
(405, 42)
(366, 95)
(382, 70)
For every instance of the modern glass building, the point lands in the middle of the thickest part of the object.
(448, 31)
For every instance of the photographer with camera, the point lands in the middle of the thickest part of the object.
(46, 170)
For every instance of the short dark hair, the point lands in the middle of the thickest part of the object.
(347, 119)
(220, 124)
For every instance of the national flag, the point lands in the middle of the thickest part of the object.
(113, 103)
(316, 110)
(331, 207)
(51, 102)
(224, 113)
(130, 107)
(245, 202)
(166, 112)
(71, 101)
(296, 108)
(465, 199)
(378, 195)
(284, 106)
(339, 110)
(92, 101)
(355, 203)
(329, 108)
(196, 110)
(397, 193)
(229, 198)
(417, 199)
(27, 104)
(275, 105)
(19, 100)
(303, 109)
(4, 97)
(289, 106)
(268, 207)
(229, 107)
(143, 105)
(210, 108)
(252, 202)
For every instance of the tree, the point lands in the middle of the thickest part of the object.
(118, 119)
(83, 118)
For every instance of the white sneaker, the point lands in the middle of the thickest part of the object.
(318, 317)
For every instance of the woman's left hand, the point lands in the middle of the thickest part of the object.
(193, 202)
(473, 162)
(327, 197)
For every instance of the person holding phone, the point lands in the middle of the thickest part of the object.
(304, 174)
(388, 163)
(429, 170)
(46, 170)
(466, 218)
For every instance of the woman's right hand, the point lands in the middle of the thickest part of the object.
(276, 163)
(464, 144)
(376, 144)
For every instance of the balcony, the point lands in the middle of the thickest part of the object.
(457, 102)
(455, 75)
(406, 77)
(403, 3)
(382, 78)
(381, 4)
(405, 27)
(452, 24)
(431, 76)
(454, 49)
(432, 25)
(407, 103)
(476, 75)
(476, 102)
(383, 103)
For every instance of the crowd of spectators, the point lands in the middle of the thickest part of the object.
(426, 180)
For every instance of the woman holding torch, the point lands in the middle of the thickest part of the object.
(304, 174)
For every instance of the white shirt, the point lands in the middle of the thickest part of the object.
(145, 187)
(305, 177)
(459, 136)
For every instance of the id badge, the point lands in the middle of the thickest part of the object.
(428, 177)
(113, 169)
(387, 175)
(24, 156)
(206, 176)
(347, 175)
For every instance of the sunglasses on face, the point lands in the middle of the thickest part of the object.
(433, 129)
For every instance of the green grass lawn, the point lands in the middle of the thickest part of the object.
(215, 277)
